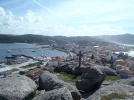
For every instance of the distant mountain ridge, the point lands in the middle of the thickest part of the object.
(123, 39)
(60, 40)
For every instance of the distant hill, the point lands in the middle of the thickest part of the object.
(60, 40)
(123, 39)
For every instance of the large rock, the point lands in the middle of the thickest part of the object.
(17, 88)
(74, 92)
(56, 94)
(91, 79)
(80, 70)
(65, 68)
(49, 81)
(124, 86)
(107, 70)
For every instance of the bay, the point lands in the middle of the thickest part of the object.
(7, 49)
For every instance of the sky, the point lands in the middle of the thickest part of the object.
(67, 17)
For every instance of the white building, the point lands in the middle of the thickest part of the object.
(5, 71)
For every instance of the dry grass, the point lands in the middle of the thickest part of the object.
(114, 96)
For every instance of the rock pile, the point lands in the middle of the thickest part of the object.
(107, 70)
(52, 88)
(50, 83)
(79, 70)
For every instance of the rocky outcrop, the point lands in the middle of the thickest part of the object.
(91, 79)
(79, 70)
(71, 69)
(107, 70)
(56, 94)
(49, 81)
(124, 86)
(17, 88)
(129, 82)
(74, 92)
(65, 68)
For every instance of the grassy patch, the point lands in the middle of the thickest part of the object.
(25, 67)
(112, 78)
(114, 96)
(69, 78)
(15, 69)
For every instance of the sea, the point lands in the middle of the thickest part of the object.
(8, 49)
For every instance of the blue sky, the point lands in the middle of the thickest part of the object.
(67, 17)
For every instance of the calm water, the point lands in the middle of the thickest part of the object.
(19, 48)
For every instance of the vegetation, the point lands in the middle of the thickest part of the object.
(60, 40)
(69, 78)
(15, 69)
(25, 67)
(114, 96)
(112, 78)
(29, 38)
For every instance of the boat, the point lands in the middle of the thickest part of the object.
(9, 51)
(9, 57)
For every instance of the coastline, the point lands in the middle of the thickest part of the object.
(29, 50)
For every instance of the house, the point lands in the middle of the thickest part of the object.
(34, 73)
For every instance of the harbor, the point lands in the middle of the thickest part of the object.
(7, 50)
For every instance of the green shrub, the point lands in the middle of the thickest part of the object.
(15, 69)
(112, 78)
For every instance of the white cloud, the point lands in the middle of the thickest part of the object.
(32, 23)
(2, 12)
(31, 17)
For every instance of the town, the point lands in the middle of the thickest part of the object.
(113, 60)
